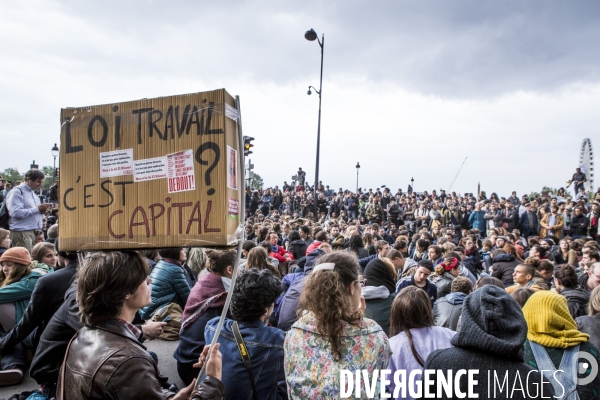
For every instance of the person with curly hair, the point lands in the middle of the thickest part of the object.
(331, 333)
(252, 304)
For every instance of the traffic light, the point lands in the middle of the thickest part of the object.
(248, 145)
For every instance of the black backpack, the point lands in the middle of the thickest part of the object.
(5, 216)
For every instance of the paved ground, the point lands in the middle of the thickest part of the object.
(162, 348)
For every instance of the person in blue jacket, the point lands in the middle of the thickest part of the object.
(252, 303)
(476, 219)
(169, 283)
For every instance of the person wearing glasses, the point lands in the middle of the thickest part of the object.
(332, 334)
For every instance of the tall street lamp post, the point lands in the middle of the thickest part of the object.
(311, 35)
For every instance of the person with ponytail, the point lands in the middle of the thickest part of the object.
(205, 302)
(331, 333)
(445, 274)
(413, 333)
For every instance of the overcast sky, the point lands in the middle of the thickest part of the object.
(410, 88)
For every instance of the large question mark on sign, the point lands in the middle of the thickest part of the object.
(214, 147)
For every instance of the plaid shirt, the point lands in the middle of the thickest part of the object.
(136, 332)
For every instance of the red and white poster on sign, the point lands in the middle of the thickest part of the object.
(180, 171)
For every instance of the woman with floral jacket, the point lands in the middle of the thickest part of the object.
(332, 335)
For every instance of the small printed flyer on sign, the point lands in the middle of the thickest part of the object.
(180, 171)
(232, 168)
(150, 169)
(116, 163)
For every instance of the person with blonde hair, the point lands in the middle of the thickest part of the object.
(448, 247)
(331, 333)
(554, 343)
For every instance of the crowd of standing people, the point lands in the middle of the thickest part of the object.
(373, 281)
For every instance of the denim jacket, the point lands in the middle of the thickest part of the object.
(265, 345)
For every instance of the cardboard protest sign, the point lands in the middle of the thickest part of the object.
(150, 173)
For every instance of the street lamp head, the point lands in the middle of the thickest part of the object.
(309, 92)
(412, 179)
(311, 35)
(55, 150)
(357, 165)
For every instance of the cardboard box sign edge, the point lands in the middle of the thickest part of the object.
(116, 212)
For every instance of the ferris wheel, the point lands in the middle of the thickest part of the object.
(586, 162)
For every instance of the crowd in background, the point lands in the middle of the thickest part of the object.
(374, 280)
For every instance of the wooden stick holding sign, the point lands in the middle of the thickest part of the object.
(241, 214)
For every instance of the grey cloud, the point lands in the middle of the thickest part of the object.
(463, 49)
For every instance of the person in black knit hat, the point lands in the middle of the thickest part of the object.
(493, 331)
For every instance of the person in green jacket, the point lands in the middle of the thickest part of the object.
(17, 281)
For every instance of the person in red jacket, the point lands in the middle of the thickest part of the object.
(277, 251)
(320, 238)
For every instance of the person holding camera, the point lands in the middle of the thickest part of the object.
(26, 210)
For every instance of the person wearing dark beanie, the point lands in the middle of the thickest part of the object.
(379, 291)
(493, 331)
(381, 272)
